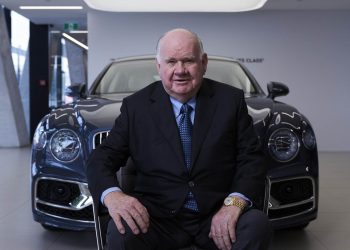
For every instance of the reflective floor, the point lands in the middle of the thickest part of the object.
(18, 230)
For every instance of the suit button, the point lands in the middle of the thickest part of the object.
(191, 184)
(172, 211)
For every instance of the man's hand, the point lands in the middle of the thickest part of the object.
(223, 227)
(121, 206)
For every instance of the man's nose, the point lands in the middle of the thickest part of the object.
(180, 67)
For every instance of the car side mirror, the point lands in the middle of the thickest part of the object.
(277, 89)
(76, 91)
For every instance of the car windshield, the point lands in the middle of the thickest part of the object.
(131, 76)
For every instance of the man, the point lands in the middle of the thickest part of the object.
(200, 171)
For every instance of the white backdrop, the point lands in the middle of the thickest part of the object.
(307, 50)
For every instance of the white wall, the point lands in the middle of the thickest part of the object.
(307, 50)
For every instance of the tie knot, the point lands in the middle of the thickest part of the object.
(185, 109)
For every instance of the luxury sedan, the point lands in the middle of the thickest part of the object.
(66, 136)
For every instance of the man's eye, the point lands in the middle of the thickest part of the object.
(171, 62)
(188, 62)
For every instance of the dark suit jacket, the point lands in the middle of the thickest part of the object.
(226, 155)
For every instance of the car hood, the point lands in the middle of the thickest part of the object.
(99, 113)
(262, 108)
(93, 112)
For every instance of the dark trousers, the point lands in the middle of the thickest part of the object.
(253, 231)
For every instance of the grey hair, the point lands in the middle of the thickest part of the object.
(199, 41)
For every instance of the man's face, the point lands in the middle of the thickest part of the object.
(181, 66)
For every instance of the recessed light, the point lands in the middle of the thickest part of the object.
(78, 31)
(51, 7)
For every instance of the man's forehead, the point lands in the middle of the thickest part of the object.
(189, 52)
(179, 58)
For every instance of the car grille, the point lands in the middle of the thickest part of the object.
(63, 199)
(99, 138)
(85, 214)
(291, 197)
(290, 211)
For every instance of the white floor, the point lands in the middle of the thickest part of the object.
(18, 231)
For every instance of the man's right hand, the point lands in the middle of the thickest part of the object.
(121, 206)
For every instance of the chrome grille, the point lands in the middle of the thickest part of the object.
(99, 138)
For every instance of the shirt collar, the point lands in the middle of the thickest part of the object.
(177, 105)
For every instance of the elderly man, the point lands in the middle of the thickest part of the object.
(200, 170)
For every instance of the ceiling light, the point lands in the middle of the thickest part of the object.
(78, 31)
(72, 39)
(51, 7)
(175, 6)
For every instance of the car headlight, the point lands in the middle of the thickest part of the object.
(65, 145)
(39, 138)
(283, 145)
(309, 138)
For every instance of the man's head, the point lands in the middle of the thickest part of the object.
(181, 63)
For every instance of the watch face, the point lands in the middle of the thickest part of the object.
(228, 201)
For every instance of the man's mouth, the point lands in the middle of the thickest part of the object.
(181, 80)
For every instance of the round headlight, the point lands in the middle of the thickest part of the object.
(309, 138)
(39, 138)
(65, 145)
(283, 145)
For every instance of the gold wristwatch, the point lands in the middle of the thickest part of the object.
(234, 201)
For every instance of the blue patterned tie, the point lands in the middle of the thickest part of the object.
(185, 128)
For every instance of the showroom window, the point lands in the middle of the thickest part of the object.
(67, 67)
(59, 72)
(19, 47)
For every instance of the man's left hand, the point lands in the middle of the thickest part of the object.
(223, 227)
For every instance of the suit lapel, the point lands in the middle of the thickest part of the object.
(205, 109)
(163, 115)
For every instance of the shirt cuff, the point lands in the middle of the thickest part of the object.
(107, 191)
(250, 204)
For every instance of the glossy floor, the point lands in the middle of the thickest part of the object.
(18, 231)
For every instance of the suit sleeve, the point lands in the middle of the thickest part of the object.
(250, 174)
(109, 157)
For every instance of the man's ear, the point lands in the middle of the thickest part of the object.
(157, 65)
(204, 62)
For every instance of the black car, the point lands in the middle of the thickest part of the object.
(66, 136)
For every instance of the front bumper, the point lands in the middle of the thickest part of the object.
(291, 199)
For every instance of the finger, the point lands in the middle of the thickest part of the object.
(141, 216)
(118, 223)
(137, 217)
(219, 242)
(144, 213)
(131, 223)
(227, 241)
(211, 232)
(232, 231)
(225, 238)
